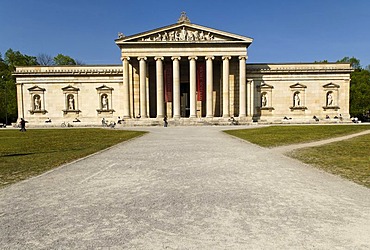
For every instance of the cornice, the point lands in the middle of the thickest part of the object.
(67, 71)
(297, 70)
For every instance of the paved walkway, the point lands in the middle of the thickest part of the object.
(287, 148)
(185, 188)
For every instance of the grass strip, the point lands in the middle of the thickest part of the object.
(36, 151)
(349, 159)
(274, 136)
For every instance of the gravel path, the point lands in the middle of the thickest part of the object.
(185, 188)
(285, 149)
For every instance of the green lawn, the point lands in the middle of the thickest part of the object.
(31, 153)
(275, 136)
(349, 159)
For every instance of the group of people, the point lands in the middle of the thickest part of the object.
(112, 124)
(104, 122)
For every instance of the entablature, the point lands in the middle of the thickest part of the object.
(75, 70)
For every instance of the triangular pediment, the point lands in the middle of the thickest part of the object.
(70, 88)
(184, 33)
(298, 86)
(331, 85)
(266, 86)
(104, 87)
(36, 88)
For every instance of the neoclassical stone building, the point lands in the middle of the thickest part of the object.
(189, 73)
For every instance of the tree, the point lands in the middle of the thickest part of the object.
(355, 63)
(61, 59)
(323, 61)
(16, 58)
(360, 93)
(45, 59)
(8, 93)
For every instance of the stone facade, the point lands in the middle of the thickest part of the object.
(300, 91)
(189, 73)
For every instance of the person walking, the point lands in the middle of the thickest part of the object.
(165, 121)
(23, 125)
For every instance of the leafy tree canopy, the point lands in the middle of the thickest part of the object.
(15, 58)
(61, 59)
(355, 63)
(360, 93)
(323, 61)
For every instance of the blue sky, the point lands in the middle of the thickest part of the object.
(284, 31)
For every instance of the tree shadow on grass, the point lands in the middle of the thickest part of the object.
(36, 153)
(17, 154)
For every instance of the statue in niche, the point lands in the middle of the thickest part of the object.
(329, 99)
(264, 100)
(104, 102)
(71, 103)
(37, 102)
(297, 100)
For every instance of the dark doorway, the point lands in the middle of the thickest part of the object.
(184, 100)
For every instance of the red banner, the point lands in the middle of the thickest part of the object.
(201, 80)
(168, 83)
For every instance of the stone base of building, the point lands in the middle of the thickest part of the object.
(218, 121)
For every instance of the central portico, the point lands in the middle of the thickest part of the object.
(185, 71)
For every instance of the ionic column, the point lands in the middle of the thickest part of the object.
(225, 86)
(209, 77)
(160, 93)
(242, 87)
(142, 86)
(248, 98)
(193, 85)
(126, 88)
(252, 98)
(176, 86)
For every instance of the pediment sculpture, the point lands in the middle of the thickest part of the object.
(180, 35)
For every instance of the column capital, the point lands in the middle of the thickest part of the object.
(209, 57)
(142, 58)
(226, 57)
(125, 58)
(243, 57)
(176, 58)
(159, 58)
(192, 58)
